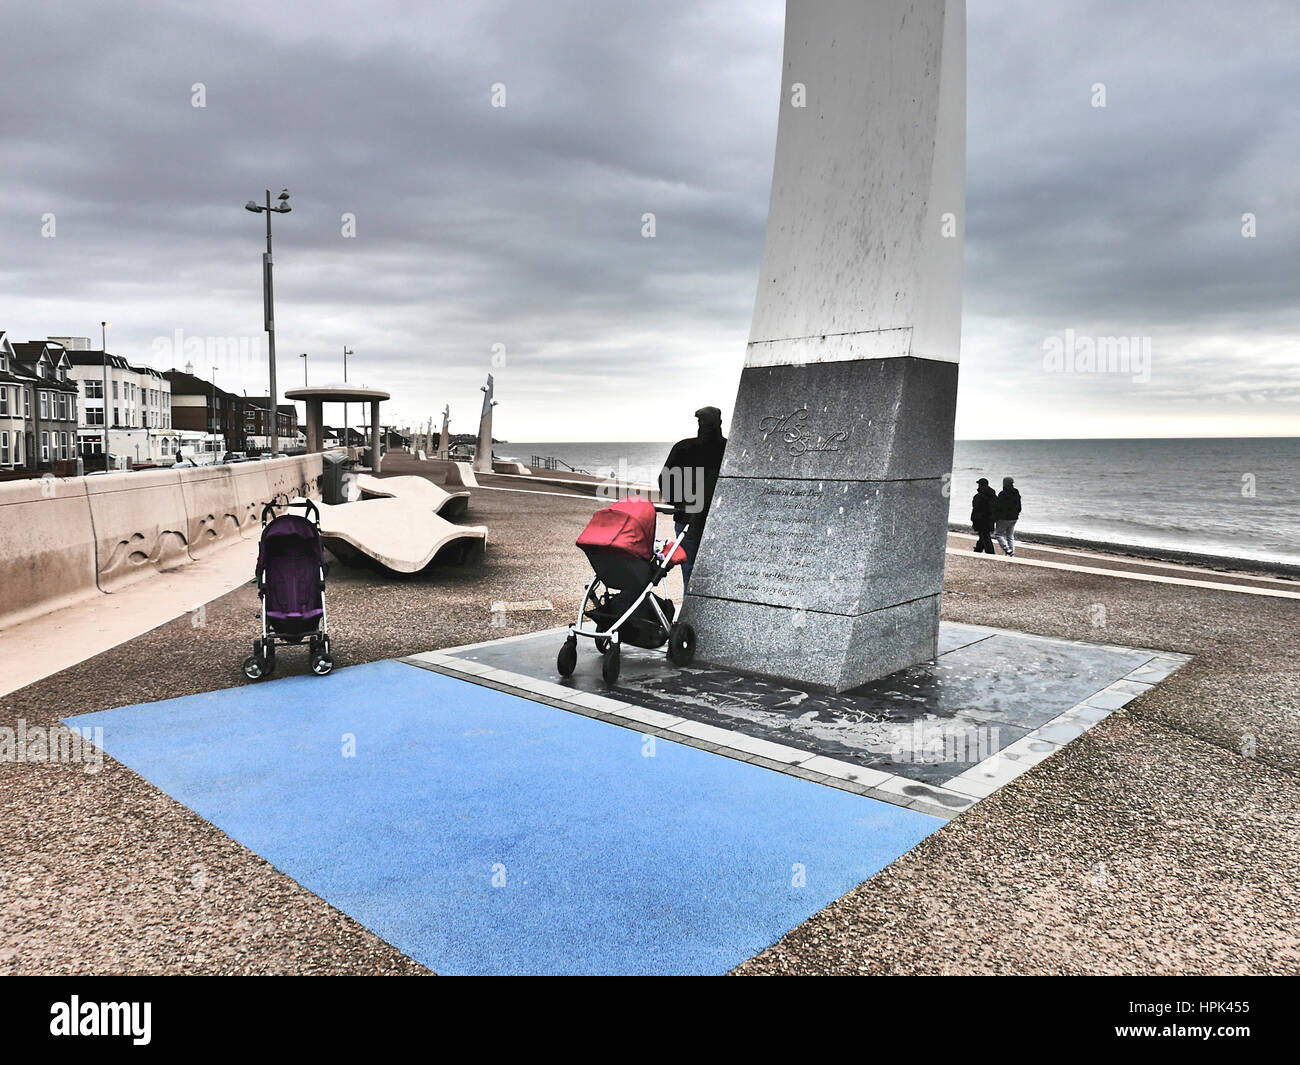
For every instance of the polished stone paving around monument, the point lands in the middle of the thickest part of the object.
(936, 737)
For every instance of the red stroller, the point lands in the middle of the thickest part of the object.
(619, 542)
(291, 570)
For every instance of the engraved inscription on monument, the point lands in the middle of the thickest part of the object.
(796, 437)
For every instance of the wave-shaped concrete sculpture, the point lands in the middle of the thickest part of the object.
(823, 557)
(398, 533)
(449, 505)
(461, 473)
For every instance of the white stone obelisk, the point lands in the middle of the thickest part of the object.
(822, 560)
(483, 452)
(443, 443)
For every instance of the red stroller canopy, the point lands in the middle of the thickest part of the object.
(625, 528)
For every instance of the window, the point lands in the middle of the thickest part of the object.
(115, 421)
(4, 399)
(4, 447)
(94, 415)
(60, 405)
(45, 406)
(63, 445)
(27, 402)
(93, 447)
(94, 389)
(45, 447)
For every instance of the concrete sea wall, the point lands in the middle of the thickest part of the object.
(65, 539)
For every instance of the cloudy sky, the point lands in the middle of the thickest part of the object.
(508, 239)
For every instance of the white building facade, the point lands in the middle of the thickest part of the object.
(138, 408)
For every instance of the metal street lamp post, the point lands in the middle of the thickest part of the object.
(347, 436)
(268, 297)
(103, 346)
(216, 418)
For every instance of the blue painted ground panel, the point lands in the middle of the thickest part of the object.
(480, 832)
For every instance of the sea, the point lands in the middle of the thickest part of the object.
(1235, 497)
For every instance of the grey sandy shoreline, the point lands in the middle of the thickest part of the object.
(1264, 567)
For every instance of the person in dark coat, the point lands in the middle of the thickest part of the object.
(981, 515)
(1005, 514)
(688, 479)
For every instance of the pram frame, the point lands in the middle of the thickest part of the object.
(657, 574)
(680, 636)
(318, 638)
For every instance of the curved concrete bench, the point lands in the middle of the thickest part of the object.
(461, 473)
(517, 468)
(450, 505)
(397, 533)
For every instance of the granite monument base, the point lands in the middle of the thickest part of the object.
(822, 560)
(821, 651)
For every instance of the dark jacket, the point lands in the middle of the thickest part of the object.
(689, 477)
(1008, 505)
(981, 509)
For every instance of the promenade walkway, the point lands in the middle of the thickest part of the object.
(1163, 839)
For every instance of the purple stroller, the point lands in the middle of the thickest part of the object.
(291, 570)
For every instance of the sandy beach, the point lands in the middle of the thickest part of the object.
(1150, 845)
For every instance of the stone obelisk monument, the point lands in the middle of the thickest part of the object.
(483, 452)
(822, 561)
(443, 443)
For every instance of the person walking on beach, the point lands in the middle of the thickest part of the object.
(981, 515)
(688, 479)
(1005, 514)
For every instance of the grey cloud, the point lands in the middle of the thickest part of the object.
(522, 226)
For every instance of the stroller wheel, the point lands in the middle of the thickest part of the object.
(567, 660)
(610, 666)
(681, 645)
(602, 646)
(321, 664)
(252, 668)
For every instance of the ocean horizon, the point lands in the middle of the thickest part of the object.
(1238, 497)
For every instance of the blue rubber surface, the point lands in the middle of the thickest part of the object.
(604, 860)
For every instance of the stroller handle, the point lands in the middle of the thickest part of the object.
(312, 511)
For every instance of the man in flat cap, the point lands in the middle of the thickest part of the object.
(689, 477)
(981, 515)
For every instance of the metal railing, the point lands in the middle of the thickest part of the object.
(549, 462)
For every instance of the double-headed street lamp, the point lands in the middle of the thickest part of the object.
(268, 299)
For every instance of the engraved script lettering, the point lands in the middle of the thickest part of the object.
(793, 431)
